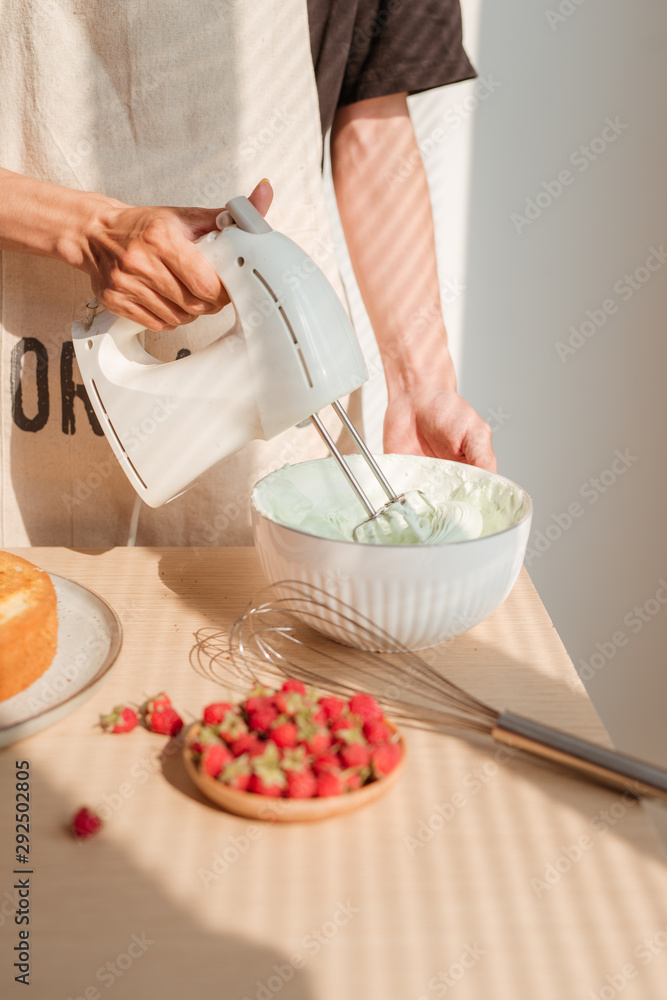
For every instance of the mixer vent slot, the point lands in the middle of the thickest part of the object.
(287, 324)
(113, 431)
(266, 284)
(298, 349)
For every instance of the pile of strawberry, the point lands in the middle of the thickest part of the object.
(293, 744)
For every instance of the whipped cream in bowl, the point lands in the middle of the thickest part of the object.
(424, 579)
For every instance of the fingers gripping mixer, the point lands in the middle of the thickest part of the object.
(291, 352)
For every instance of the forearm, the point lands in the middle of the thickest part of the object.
(48, 220)
(389, 233)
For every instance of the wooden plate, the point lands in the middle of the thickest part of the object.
(263, 807)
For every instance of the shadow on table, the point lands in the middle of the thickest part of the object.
(97, 922)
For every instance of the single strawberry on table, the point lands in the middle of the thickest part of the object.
(121, 719)
(85, 823)
(165, 721)
(156, 702)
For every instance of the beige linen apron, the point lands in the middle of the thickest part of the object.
(168, 102)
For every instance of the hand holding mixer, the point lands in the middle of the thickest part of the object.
(290, 352)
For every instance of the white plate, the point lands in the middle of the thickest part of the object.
(89, 640)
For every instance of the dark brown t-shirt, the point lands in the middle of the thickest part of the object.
(370, 48)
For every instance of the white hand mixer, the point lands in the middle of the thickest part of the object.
(291, 351)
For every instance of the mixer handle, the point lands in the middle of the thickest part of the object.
(245, 215)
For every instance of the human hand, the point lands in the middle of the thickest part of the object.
(143, 265)
(439, 424)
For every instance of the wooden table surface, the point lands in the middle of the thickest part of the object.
(476, 877)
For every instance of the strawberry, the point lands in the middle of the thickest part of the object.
(385, 758)
(356, 755)
(255, 702)
(214, 758)
(329, 783)
(291, 684)
(294, 759)
(288, 702)
(247, 743)
(268, 776)
(165, 721)
(232, 727)
(365, 706)
(319, 716)
(377, 731)
(157, 702)
(327, 762)
(285, 734)
(348, 729)
(237, 774)
(85, 823)
(319, 742)
(269, 758)
(122, 719)
(272, 786)
(206, 735)
(332, 707)
(215, 712)
(301, 784)
(353, 779)
(261, 720)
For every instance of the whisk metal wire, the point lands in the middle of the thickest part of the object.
(285, 641)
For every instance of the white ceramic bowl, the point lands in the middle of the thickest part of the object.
(419, 595)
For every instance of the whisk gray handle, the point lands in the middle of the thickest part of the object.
(607, 766)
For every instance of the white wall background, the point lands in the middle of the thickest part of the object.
(556, 70)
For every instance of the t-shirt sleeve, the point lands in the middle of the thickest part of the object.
(371, 48)
(404, 45)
